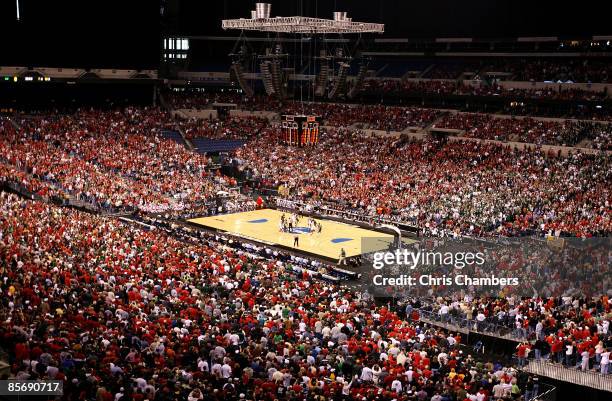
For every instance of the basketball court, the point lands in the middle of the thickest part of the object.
(264, 226)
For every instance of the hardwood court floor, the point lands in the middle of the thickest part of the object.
(264, 226)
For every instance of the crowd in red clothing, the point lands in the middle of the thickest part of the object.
(450, 87)
(561, 69)
(443, 188)
(121, 313)
(486, 126)
(533, 93)
(379, 117)
(12, 176)
(229, 128)
(530, 130)
(564, 71)
(205, 100)
(432, 87)
(338, 114)
(573, 330)
(118, 159)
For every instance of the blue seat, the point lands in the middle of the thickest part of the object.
(206, 145)
(173, 135)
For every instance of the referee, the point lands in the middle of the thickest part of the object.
(342, 260)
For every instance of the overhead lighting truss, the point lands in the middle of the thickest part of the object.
(301, 25)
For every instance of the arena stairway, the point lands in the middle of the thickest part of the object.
(557, 371)
(426, 70)
(14, 124)
(436, 120)
(584, 143)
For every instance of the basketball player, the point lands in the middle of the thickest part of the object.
(296, 241)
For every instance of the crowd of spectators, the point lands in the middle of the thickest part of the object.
(524, 69)
(561, 71)
(574, 331)
(431, 87)
(113, 159)
(205, 100)
(121, 313)
(530, 130)
(228, 128)
(443, 188)
(375, 176)
(9, 175)
(451, 69)
(534, 93)
(387, 118)
(448, 87)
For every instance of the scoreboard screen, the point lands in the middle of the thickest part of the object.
(300, 130)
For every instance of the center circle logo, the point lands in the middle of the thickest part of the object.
(300, 230)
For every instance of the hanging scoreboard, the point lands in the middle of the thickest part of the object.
(300, 130)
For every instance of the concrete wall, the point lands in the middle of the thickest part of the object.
(204, 76)
(269, 115)
(523, 117)
(122, 74)
(594, 87)
(196, 113)
(11, 71)
(61, 72)
(205, 114)
(66, 73)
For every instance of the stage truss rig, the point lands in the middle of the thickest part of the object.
(320, 65)
(303, 25)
